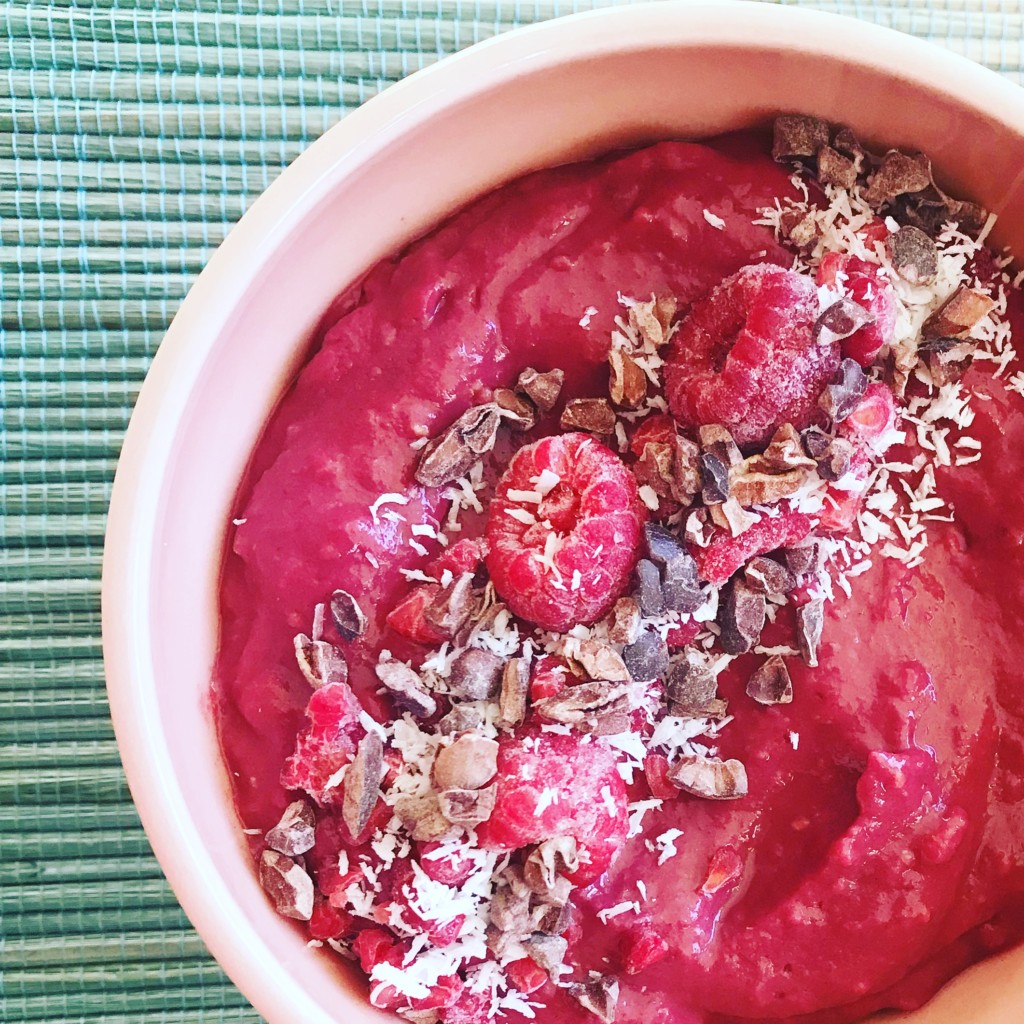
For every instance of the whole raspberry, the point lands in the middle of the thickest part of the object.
(745, 356)
(566, 558)
(551, 785)
(861, 281)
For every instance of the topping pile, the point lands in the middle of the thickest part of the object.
(736, 476)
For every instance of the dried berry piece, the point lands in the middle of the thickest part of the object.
(843, 395)
(321, 663)
(810, 620)
(594, 415)
(839, 321)
(468, 763)
(362, 784)
(958, 314)
(770, 683)
(710, 777)
(914, 255)
(295, 833)
(691, 685)
(600, 997)
(406, 688)
(289, 887)
(768, 576)
(898, 174)
(641, 947)
(600, 661)
(624, 621)
(948, 359)
(542, 389)
(836, 169)
(741, 616)
(797, 135)
(628, 382)
(648, 593)
(348, 616)
(515, 685)
(587, 706)
(468, 807)
(647, 657)
(516, 410)
(476, 675)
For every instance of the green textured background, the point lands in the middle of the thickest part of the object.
(132, 136)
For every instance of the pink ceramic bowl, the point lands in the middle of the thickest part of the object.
(543, 95)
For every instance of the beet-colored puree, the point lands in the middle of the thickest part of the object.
(881, 847)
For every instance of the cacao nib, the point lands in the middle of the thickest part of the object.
(741, 616)
(348, 616)
(647, 657)
(771, 683)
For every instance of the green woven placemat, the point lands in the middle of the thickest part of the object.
(131, 138)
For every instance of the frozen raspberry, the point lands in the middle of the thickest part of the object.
(464, 556)
(640, 947)
(374, 946)
(656, 429)
(558, 785)
(408, 616)
(447, 991)
(861, 281)
(745, 356)
(572, 557)
(874, 415)
(326, 862)
(549, 677)
(726, 553)
(326, 744)
(472, 1008)
(843, 505)
(680, 634)
(526, 976)
(451, 869)
(329, 922)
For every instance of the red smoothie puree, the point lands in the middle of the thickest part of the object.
(879, 848)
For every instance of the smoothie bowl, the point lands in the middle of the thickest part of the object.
(616, 616)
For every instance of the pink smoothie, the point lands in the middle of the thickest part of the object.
(881, 847)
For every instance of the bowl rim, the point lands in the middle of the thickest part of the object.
(176, 367)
